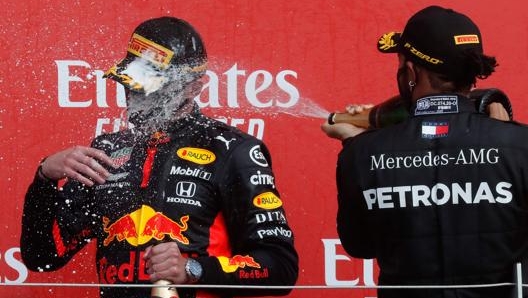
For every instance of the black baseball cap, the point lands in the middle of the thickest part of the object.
(164, 47)
(436, 38)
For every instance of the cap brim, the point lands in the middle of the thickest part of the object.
(149, 74)
(115, 73)
(389, 42)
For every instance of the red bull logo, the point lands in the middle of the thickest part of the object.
(237, 261)
(120, 230)
(111, 273)
(142, 225)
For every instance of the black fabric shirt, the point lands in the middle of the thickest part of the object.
(203, 184)
(440, 198)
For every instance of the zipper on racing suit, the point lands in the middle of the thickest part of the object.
(157, 138)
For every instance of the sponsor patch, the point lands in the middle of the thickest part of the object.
(118, 176)
(235, 262)
(121, 156)
(196, 155)
(439, 104)
(432, 130)
(257, 156)
(225, 141)
(143, 224)
(271, 216)
(191, 172)
(267, 200)
(386, 42)
(262, 179)
(466, 39)
(149, 50)
(421, 55)
(185, 189)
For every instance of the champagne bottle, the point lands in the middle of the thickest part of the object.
(391, 111)
(164, 292)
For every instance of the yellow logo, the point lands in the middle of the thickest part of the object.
(149, 50)
(466, 39)
(233, 263)
(196, 155)
(140, 226)
(386, 41)
(421, 55)
(267, 200)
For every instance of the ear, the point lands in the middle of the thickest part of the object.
(411, 70)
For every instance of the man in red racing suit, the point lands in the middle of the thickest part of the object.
(214, 194)
(199, 183)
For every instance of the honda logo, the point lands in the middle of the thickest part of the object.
(185, 189)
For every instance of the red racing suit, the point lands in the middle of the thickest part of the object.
(439, 199)
(202, 183)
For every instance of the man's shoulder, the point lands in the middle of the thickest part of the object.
(113, 140)
(217, 129)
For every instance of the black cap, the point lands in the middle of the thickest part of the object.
(164, 47)
(436, 38)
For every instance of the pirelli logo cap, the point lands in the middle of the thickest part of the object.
(165, 46)
(437, 38)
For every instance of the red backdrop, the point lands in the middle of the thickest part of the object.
(318, 54)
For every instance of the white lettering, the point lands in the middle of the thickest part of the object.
(429, 159)
(185, 201)
(252, 90)
(103, 122)
(255, 83)
(332, 257)
(439, 194)
(461, 192)
(262, 179)
(505, 195)
(64, 78)
(270, 216)
(190, 172)
(290, 89)
(480, 156)
(484, 194)
(278, 231)
(14, 263)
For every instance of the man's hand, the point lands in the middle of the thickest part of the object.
(497, 111)
(343, 131)
(79, 163)
(164, 261)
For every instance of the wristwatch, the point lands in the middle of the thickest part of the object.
(40, 173)
(194, 270)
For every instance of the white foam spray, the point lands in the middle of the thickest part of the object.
(164, 93)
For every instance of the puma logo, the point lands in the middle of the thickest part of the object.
(107, 142)
(226, 142)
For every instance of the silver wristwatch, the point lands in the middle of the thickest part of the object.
(194, 270)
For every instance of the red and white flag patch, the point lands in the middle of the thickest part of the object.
(432, 130)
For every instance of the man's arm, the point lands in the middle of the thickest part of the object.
(262, 242)
(46, 242)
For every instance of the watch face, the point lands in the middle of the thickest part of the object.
(194, 270)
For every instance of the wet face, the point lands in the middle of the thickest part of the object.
(156, 109)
